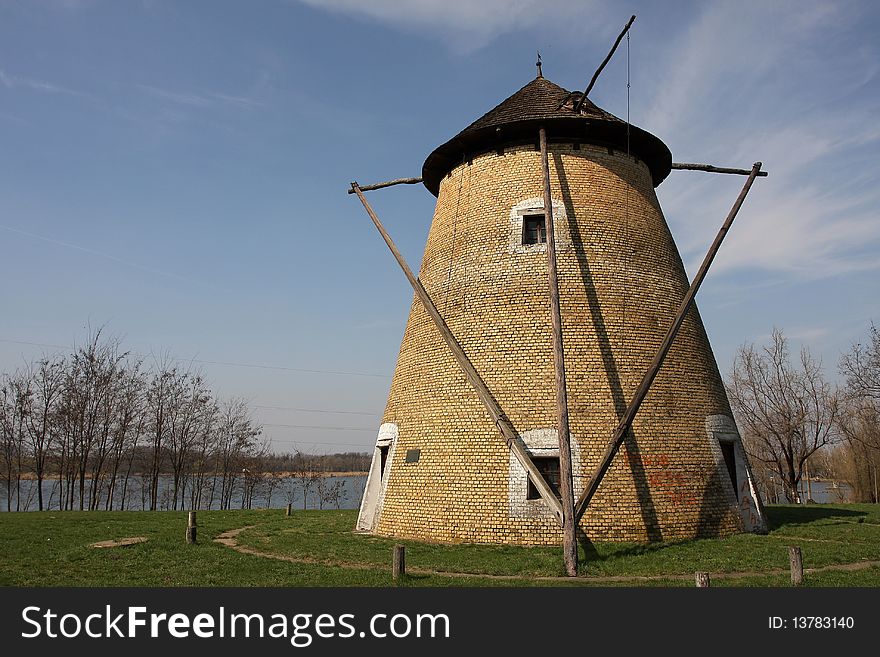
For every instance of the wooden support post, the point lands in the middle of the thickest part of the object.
(398, 565)
(191, 528)
(389, 183)
(702, 579)
(713, 169)
(289, 510)
(796, 560)
(510, 435)
(569, 524)
(642, 391)
(577, 108)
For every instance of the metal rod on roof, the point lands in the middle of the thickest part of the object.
(629, 415)
(713, 169)
(577, 108)
(508, 432)
(389, 183)
(566, 487)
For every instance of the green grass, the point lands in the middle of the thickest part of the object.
(51, 549)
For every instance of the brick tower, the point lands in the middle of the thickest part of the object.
(440, 470)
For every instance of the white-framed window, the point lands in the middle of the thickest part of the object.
(542, 446)
(528, 226)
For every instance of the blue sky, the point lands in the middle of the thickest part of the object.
(176, 171)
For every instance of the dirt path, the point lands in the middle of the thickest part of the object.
(229, 538)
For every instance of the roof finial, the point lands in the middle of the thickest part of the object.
(538, 64)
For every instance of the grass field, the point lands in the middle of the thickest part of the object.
(317, 548)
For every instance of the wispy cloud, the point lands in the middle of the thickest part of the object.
(740, 86)
(465, 26)
(15, 81)
(193, 99)
(101, 254)
(808, 334)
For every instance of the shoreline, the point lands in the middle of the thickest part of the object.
(30, 476)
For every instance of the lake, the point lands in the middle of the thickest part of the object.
(287, 490)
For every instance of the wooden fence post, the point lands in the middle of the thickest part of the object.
(797, 566)
(398, 568)
(191, 528)
(702, 580)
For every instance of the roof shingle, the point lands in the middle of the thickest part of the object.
(542, 103)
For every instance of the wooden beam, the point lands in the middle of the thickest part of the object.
(569, 524)
(191, 528)
(500, 420)
(796, 560)
(398, 562)
(388, 183)
(577, 108)
(713, 169)
(642, 391)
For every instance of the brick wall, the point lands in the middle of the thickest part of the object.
(621, 280)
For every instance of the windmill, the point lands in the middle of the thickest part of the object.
(554, 378)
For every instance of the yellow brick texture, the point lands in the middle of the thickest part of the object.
(621, 280)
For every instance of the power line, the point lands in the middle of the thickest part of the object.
(97, 253)
(307, 426)
(280, 408)
(286, 369)
(225, 363)
(312, 410)
(317, 442)
(34, 344)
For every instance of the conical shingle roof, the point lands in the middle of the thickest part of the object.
(543, 103)
(539, 99)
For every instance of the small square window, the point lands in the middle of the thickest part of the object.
(534, 229)
(549, 467)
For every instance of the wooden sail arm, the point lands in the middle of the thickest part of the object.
(713, 169)
(577, 107)
(388, 183)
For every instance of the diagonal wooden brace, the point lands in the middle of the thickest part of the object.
(500, 420)
(642, 391)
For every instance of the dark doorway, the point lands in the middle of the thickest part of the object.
(727, 449)
(383, 456)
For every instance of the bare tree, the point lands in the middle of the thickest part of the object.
(335, 493)
(130, 418)
(90, 385)
(107, 430)
(255, 480)
(859, 424)
(787, 411)
(306, 474)
(160, 396)
(859, 421)
(47, 385)
(201, 456)
(15, 393)
(188, 412)
(236, 435)
(861, 367)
